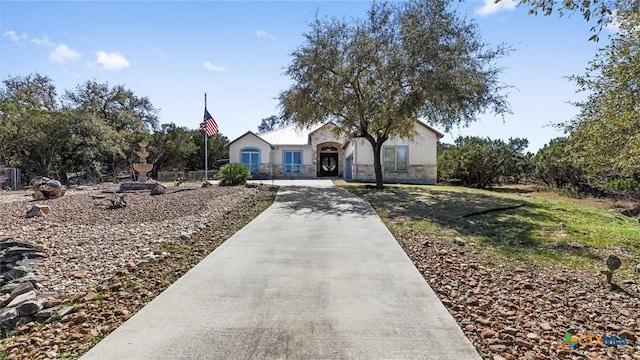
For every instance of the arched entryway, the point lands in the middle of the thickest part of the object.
(328, 161)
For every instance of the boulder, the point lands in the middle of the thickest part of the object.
(38, 210)
(20, 289)
(38, 195)
(159, 189)
(49, 188)
(29, 308)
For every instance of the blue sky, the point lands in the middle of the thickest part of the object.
(236, 51)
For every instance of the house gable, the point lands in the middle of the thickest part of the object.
(250, 141)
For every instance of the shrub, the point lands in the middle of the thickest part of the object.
(624, 184)
(233, 174)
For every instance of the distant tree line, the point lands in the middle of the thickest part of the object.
(93, 129)
(483, 162)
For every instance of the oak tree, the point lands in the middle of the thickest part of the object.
(374, 76)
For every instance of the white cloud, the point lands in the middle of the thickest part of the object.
(44, 41)
(14, 36)
(112, 61)
(264, 34)
(63, 54)
(211, 66)
(490, 7)
(614, 25)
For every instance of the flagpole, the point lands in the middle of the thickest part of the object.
(206, 152)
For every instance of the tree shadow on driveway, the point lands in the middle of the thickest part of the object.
(322, 200)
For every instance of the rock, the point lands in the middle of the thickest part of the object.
(184, 235)
(7, 289)
(487, 333)
(77, 318)
(510, 331)
(631, 336)
(9, 317)
(613, 327)
(38, 195)
(31, 295)
(90, 296)
(66, 311)
(46, 313)
(158, 189)
(117, 202)
(532, 336)
(546, 326)
(523, 343)
(35, 211)
(21, 288)
(16, 250)
(9, 242)
(29, 308)
(49, 188)
(46, 209)
(15, 273)
(458, 241)
(497, 348)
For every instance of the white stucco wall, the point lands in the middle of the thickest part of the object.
(253, 141)
(422, 149)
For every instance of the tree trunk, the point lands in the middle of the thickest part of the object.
(377, 165)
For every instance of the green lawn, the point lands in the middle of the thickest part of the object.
(543, 230)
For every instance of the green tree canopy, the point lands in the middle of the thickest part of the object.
(603, 11)
(373, 77)
(31, 91)
(481, 162)
(270, 123)
(554, 168)
(118, 106)
(606, 133)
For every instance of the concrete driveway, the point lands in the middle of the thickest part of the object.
(315, 276)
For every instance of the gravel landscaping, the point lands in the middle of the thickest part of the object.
(102, 265)
(524, 312)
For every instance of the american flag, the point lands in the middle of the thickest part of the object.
(209, 125)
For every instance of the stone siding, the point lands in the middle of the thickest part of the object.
(416, 174)
(308, 172)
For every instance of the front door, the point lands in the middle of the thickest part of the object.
(328, 164)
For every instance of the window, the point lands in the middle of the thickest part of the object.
(292, 161)
(250, 158)
(396, 158)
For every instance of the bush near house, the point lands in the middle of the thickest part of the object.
(233, 174)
